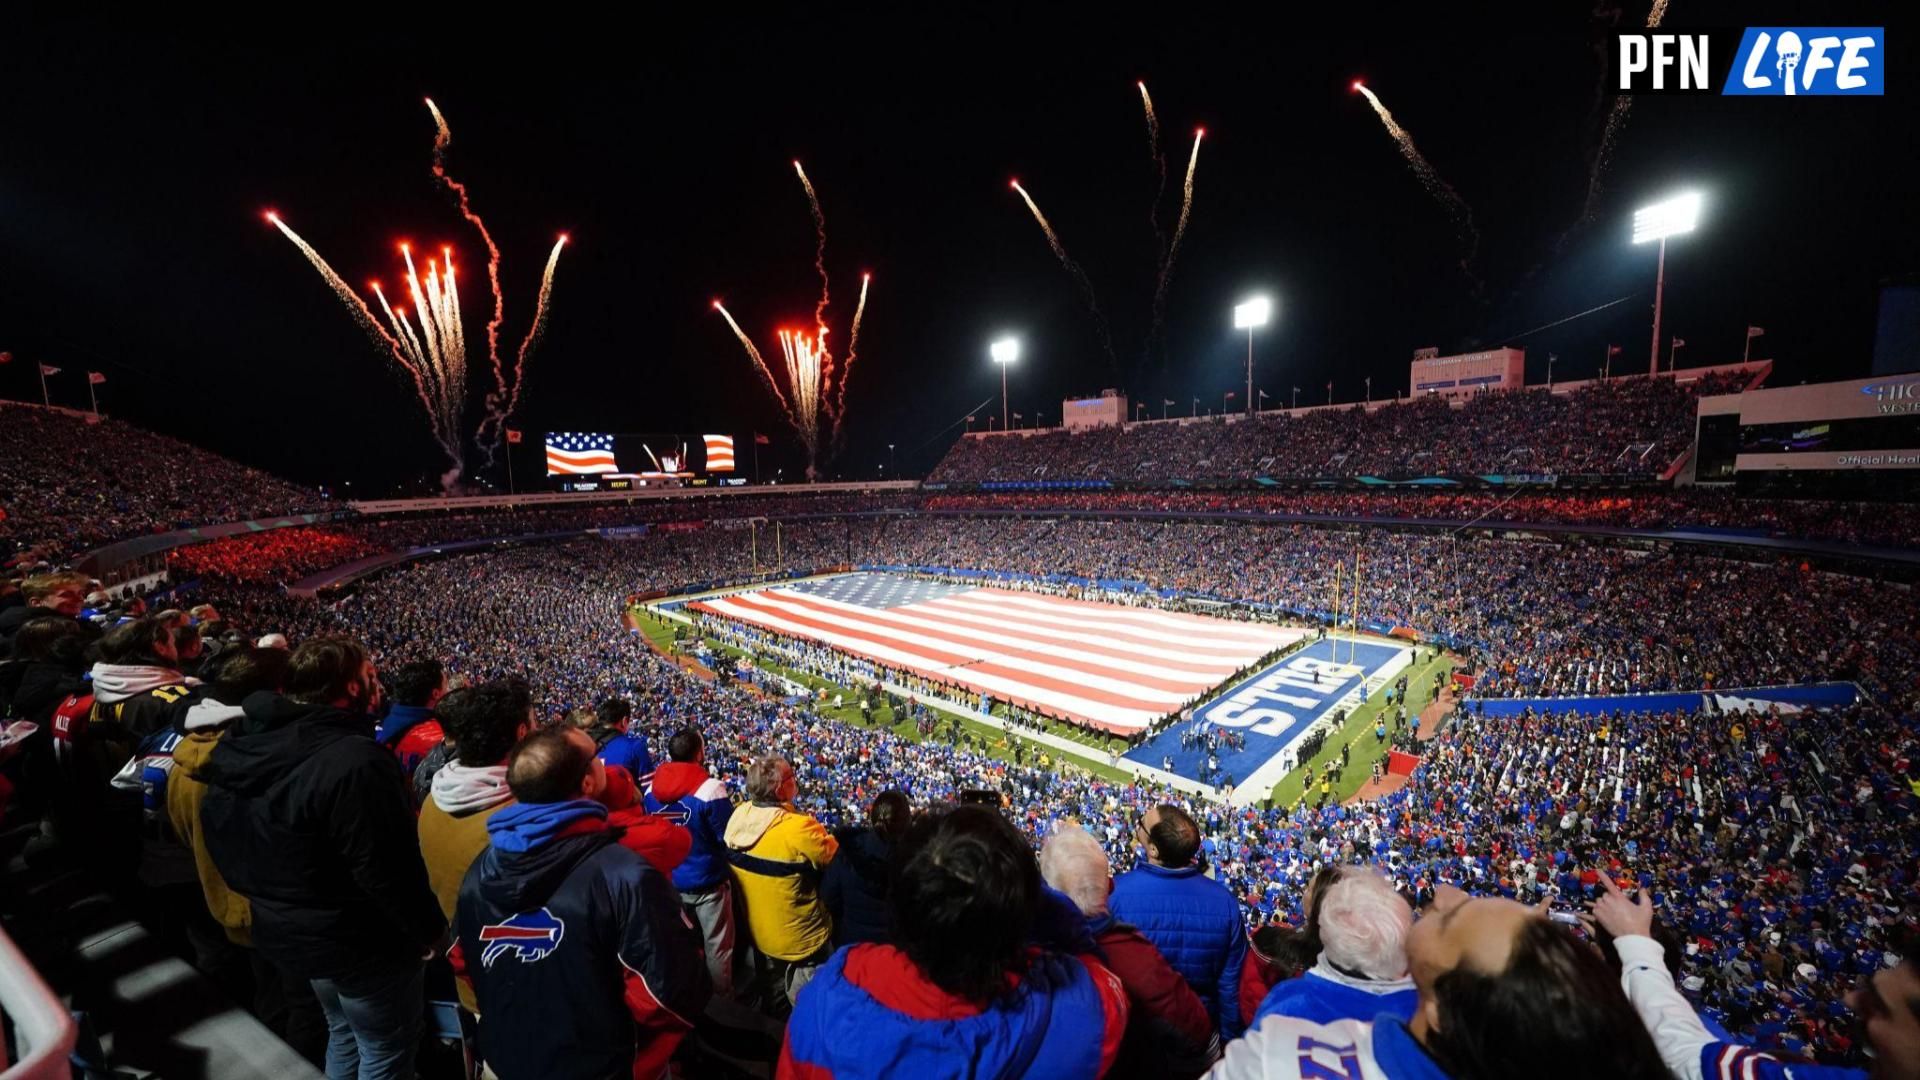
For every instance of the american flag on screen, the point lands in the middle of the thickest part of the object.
(1106, 665)
(573, 453)
(719, 453)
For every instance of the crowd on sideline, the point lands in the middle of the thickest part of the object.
(1630, 427)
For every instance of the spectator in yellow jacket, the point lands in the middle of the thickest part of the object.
(778, 855)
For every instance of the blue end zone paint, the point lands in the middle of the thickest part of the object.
(1272, 709)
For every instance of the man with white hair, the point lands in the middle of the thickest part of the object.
(1168, 1033)
(1362, 969)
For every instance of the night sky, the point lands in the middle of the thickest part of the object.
(135, 162)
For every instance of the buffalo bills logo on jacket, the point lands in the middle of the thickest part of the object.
(530, 936)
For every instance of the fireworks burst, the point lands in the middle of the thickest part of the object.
(815, 390)
(1073, 270)
(1449, 199)
(1179, 233)
(447, 436)
(434, 353)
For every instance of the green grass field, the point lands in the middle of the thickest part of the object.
(1358, 728)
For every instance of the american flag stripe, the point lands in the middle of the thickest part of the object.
(1049, 694)
(1086, 629)
(593, 461)
(1098, 672)
(1110, 666)
(1114, 615)
(1085, 648)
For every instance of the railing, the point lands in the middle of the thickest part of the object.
(42, 1026)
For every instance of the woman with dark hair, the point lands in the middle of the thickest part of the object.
(958, 991)
(855, 884)
(1504, 994)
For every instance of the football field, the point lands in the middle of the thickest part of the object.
(1109, 666)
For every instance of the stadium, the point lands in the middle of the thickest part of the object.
(1469, 720)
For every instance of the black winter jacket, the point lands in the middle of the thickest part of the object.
(311, 819)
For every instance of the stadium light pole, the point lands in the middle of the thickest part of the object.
(1005, 352)
(1672, 217)
(1248, 315)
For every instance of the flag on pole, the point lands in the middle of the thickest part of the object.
(513, 437)
(96, 378)
(1017, 416)
(49, 369)
(1613, 350)
(1231, 395)
(762, 440)
(1679, 343)
(1263, 395)
(1754, 331)
(1168, 402)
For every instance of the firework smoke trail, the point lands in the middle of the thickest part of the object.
(364, 317)
(1179, 233)
(1159, 159)
(1073, 268)
(846, 369)
(497, 414)
(1430, 179)
(1616, 119)
(759, 362)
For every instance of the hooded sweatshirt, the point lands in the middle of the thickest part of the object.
(581, 961)
(205, 722)
(310, 818)
(453, 824)
(684, 794)
(778, 856)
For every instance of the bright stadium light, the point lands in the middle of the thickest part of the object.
(1252, 313)
(1005, 352)
(1670, 217)
(1247, 315)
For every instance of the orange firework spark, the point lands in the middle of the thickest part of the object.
(1159, 159)
(1179, 230)
(539, 327)
(1430, 179)
(814, 389)
(1073, 269)
(447, 436)
(1616, 119)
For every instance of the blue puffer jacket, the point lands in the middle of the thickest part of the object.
(1195, 923)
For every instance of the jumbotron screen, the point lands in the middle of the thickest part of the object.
(595, 455)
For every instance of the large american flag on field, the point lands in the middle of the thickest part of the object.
(1105, 665)
(573, 453)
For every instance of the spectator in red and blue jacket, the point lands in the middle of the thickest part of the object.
(410, 729)
(684, 794)
(960, 991)
(1192, 919)
(579, 956)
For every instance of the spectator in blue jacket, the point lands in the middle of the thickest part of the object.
(855, 884)
(576, 947)
(1188, 916)
(1361, 971)
(683, 793)
(616, 742)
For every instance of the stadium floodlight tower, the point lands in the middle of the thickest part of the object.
(1005, 352)
(1249, 315)
(1670, 217)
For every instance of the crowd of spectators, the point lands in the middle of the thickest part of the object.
(271, 557)
(70, 482)
(1631, 427)
(1781, 846)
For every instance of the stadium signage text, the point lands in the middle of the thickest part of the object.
(1292, 683)
(1895, 398)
